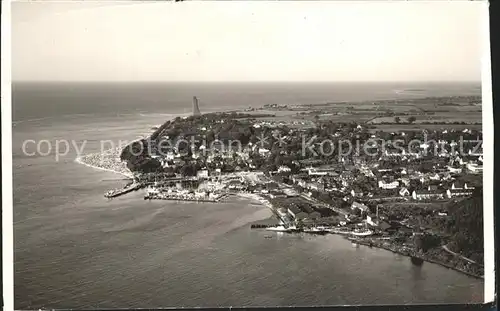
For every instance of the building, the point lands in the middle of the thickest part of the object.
(315, 172)
(453, 193)
(372, 220)
(388, 185)
(202, 174)
(404, 192)
(316, 186)
(405, 181)
(427, 194)
(277, 194)
(474, 167)
(361, 207)
(454, 170)
(458, 185)
(296, 212)
(263, 151)
(356, 193)
(290, 192)
(435, 177)
(284, 169)
(217, 172)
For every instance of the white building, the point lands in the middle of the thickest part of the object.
(314, 172)
(455, 170)
(284, 169)
(426, 195)
(474, 167)
(392, 185)
(202, 174)
(372, 220)
(456, 186)
(263, 151)
(404, 192)
(452, 193)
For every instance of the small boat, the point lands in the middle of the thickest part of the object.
(268, 237)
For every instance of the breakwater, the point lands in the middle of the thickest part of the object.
(117, 192)
(262, 226)
(183, 198)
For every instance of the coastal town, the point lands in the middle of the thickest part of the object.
(416, 193)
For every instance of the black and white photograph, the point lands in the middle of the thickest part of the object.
(248, 154)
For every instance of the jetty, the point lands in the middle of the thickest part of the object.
(178, 197)
(118, 192)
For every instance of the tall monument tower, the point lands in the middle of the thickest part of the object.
(196, 109)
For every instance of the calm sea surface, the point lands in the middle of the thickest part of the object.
(75, 249)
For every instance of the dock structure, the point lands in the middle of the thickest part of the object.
(118, 192)
(159, 196)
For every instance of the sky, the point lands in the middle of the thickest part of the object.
(248, 41)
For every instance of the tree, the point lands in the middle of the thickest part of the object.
(411, 119)
(397, 119)
(426, 241)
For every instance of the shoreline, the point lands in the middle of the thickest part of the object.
(266, 203)
(424, 258)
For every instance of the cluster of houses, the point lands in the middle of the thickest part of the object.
(441, 181)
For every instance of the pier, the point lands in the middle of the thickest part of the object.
(118, 192)
(262, 226)
(189, 198)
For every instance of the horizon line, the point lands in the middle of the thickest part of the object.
(249, 82)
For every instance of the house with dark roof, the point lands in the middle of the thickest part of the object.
(296, 212)
(356, 192)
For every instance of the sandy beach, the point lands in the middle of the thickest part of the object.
(108, 161)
